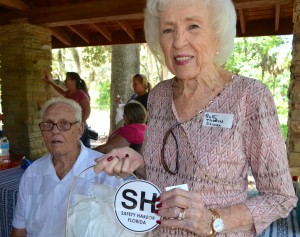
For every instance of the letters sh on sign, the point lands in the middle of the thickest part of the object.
(134, 206)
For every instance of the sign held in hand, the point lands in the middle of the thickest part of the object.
(134, 206)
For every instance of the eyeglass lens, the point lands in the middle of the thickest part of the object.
(62, 126)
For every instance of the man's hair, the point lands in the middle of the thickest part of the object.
(61, 100)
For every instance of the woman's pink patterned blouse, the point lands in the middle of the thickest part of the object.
(217, 161)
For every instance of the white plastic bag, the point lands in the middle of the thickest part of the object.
(93, 216)
(119, 114)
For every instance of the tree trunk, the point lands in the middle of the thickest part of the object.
(125, 63)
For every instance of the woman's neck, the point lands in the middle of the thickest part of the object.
(193, 95)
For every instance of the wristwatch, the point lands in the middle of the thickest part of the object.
(217, 224)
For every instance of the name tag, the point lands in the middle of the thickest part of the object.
(217, 120)
(180, 186)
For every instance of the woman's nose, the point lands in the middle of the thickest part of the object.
(180, 39)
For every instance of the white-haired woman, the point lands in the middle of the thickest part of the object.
(206, 128)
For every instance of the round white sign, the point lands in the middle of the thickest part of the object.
(134, 205)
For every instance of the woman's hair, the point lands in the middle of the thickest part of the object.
(143, 79)
(135, 112)
(62, 100)
(223, 19)
(80, 83)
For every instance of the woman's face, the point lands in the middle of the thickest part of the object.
(70, 83)
(138, 86)
(187, 39)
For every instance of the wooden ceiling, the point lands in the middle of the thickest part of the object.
(77, 23)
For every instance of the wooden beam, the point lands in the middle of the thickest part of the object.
(266, 28)
(260, 3)
(277, 17)
(81, 13)
(242, 20)
(103, 30)
(61, 35)
(82, 34)
(118, 38)
(14, 4)
(128, 29)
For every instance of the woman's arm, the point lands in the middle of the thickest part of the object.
(48, 79)
(266, 151)
(115, 141)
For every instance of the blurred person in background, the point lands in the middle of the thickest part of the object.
(141, 87)
(131, 133)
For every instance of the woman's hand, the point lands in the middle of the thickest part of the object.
(120, 162)
(48, 77)
(195, 216)
(118, 99)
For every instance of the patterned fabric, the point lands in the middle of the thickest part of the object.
(217, 164)
(9, 186)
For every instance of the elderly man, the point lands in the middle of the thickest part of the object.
(46, 184)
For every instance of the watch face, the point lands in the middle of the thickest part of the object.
(218, 225)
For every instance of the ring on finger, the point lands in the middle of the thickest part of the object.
(181, 215)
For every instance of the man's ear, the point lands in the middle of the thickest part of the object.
(81, 129)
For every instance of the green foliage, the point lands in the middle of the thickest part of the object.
(96, 56)
(284, 129)
(103, 101)
(268, 60)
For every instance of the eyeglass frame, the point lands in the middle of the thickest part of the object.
(162, 152)
(56, 124)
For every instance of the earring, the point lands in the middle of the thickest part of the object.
(217, 53)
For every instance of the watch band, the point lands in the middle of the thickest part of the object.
(215, 215)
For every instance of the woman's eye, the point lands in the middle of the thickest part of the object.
(167, 31)
(193, 26)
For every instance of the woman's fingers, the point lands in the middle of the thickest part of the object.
(102, 162)
(184, 209)
(119, 162)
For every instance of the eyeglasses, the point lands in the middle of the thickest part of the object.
(62, 126)
(162, 157)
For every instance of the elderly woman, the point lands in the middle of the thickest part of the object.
(207, 127)
(46, 184)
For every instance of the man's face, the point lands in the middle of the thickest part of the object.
(61, 143)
